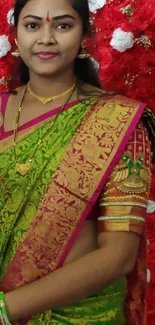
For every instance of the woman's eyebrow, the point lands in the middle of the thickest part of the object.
(54, 18)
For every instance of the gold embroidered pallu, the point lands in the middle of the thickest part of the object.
(48, 220)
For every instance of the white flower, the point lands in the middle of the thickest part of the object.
(94, 5)
(121, 41)
(10, 17)
(5, 46)
(95, 63)
(151, 207)
(148, 276)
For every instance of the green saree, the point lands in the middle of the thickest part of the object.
(41, 211)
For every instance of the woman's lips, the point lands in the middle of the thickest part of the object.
(46, 55)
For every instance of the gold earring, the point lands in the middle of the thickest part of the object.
(83, 53)
(16, 52)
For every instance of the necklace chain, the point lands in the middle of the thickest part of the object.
(46, 100)
(23, 168)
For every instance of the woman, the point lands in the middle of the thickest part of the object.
(75, 177)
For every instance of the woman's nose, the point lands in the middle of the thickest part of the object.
(47, 36)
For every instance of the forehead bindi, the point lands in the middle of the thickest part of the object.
(48, 19)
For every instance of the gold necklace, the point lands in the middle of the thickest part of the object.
(46, 100)
(23, 168)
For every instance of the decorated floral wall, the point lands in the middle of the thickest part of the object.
(124, 53)
(6, 42)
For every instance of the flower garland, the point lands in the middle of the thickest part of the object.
(125, 43)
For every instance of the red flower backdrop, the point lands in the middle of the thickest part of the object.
(131, 70)
(6, 43)
(124, 47)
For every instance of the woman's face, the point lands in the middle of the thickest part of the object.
(49, 34)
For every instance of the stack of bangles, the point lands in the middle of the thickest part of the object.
(4, 320)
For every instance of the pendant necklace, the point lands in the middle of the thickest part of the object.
(23, 168)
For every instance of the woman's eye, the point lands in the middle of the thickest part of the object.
(31, 26)
(64, 26)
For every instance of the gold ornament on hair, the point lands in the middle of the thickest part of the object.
(46, 100)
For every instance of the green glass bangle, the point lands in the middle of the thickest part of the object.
(2, 319)
(3, 312)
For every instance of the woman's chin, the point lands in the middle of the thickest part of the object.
(47, 72)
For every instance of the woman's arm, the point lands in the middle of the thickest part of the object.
(121, 220)
(114, 258)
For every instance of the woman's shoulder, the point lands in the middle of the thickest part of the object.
(89, 90)
(9, 99)
(4, 96)
(12, 94)
(106, 97)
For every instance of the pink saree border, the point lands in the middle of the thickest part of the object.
(99, 189)
(36, 120)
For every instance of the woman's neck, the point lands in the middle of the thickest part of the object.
(47, 87)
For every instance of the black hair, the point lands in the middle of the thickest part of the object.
(84, 68)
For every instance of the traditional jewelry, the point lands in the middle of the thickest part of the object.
(16, 53)
(23, 168)
(83, 51)
(3, 312)
(46, 100)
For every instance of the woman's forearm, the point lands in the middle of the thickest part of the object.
(71, 283)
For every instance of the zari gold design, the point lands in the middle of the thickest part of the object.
(109, 190)
(76, 173)
(125, 198)
(131, 177)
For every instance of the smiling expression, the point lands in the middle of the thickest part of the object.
(49, 36)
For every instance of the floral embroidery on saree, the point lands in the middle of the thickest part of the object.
(20, 196)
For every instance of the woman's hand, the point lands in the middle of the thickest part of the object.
(75, 281)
